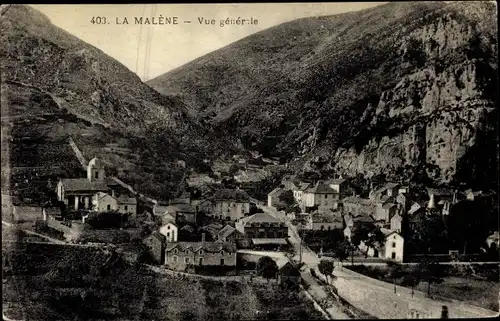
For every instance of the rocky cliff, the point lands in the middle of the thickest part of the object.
(404, 88)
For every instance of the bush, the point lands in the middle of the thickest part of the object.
(313, 272)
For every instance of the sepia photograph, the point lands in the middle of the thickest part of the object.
(250, 161)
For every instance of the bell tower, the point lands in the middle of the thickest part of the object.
(95, 170)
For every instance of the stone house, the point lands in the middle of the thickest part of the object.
(181, 254)
(389, 189)
(262, 225)
(229, 234)
(396, 223)
(230, 204)
(273, 197)
(358, 206)
(320, 195)
(104, 202)
(182, 212)
(155, 243)
(326, 222)
(169, 229)
(392, 249)
(287, 272)
(76, 193)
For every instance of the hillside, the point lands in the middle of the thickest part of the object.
(404, 88)
(57, 86)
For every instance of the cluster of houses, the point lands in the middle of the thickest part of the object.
(96, 193)
(325, 206)
(209, 231)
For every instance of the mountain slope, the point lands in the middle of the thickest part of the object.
(86, 91)
(400, 86)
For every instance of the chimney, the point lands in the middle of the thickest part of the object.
(203, 237)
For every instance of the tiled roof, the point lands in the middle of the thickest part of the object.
(319, 218)
(231, 194)
(357, 200)
(320, 188)
(337, 181)
(275, 191)
(226, 231)
(363, 218)
(126, 200)
(386, 198)
(388, 206)
(212, 228)
(159, 209)
(168, 218)
(188, 228)
(391, 185)
(387, 231)
(440, 191)
(158, 236)
(282, 262)
(259, 218)
(279, 241)
(83, 185)
(180, 208)
(414, 207)
(302, 186)
(205, 246)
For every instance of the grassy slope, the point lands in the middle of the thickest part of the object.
(58, 284)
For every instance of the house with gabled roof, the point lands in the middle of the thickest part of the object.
(320, 195)
(273, 197)
(155, 243)
(288, 272)
(229, 234)
(264, 230)
(230, 204)
(392, 248)
(179, 255)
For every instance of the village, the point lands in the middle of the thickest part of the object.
(226, 232)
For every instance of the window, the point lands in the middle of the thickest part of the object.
(174, 258)
(187, 252)
(168, 234)
(126, 208)
(109, 207)
(186, 260)
(168, 227)
(393, 255)
(96, 175)
(322, 227)
(200, 261)
(326, 196)
(201, 252)
(221, 261)
(221, 252)
(393, 244)
(329, 228)
(175, 251)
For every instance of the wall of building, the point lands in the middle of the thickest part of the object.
(101, 204)
(233, 210)
(394, 244)
(170, 232)
(266, 232)
(208, 258)
(128, 208)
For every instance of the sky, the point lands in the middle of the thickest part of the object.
(171, 46)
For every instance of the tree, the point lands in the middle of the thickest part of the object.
(430, 271)
(412, 280)
(326, 268)
(341, 252)
(267, 267)
(287, 198)
(370, 234)
(394, 271)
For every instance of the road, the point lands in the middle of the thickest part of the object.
(311, 260)
(377, 297)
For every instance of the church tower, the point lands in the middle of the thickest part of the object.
(95, 170)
